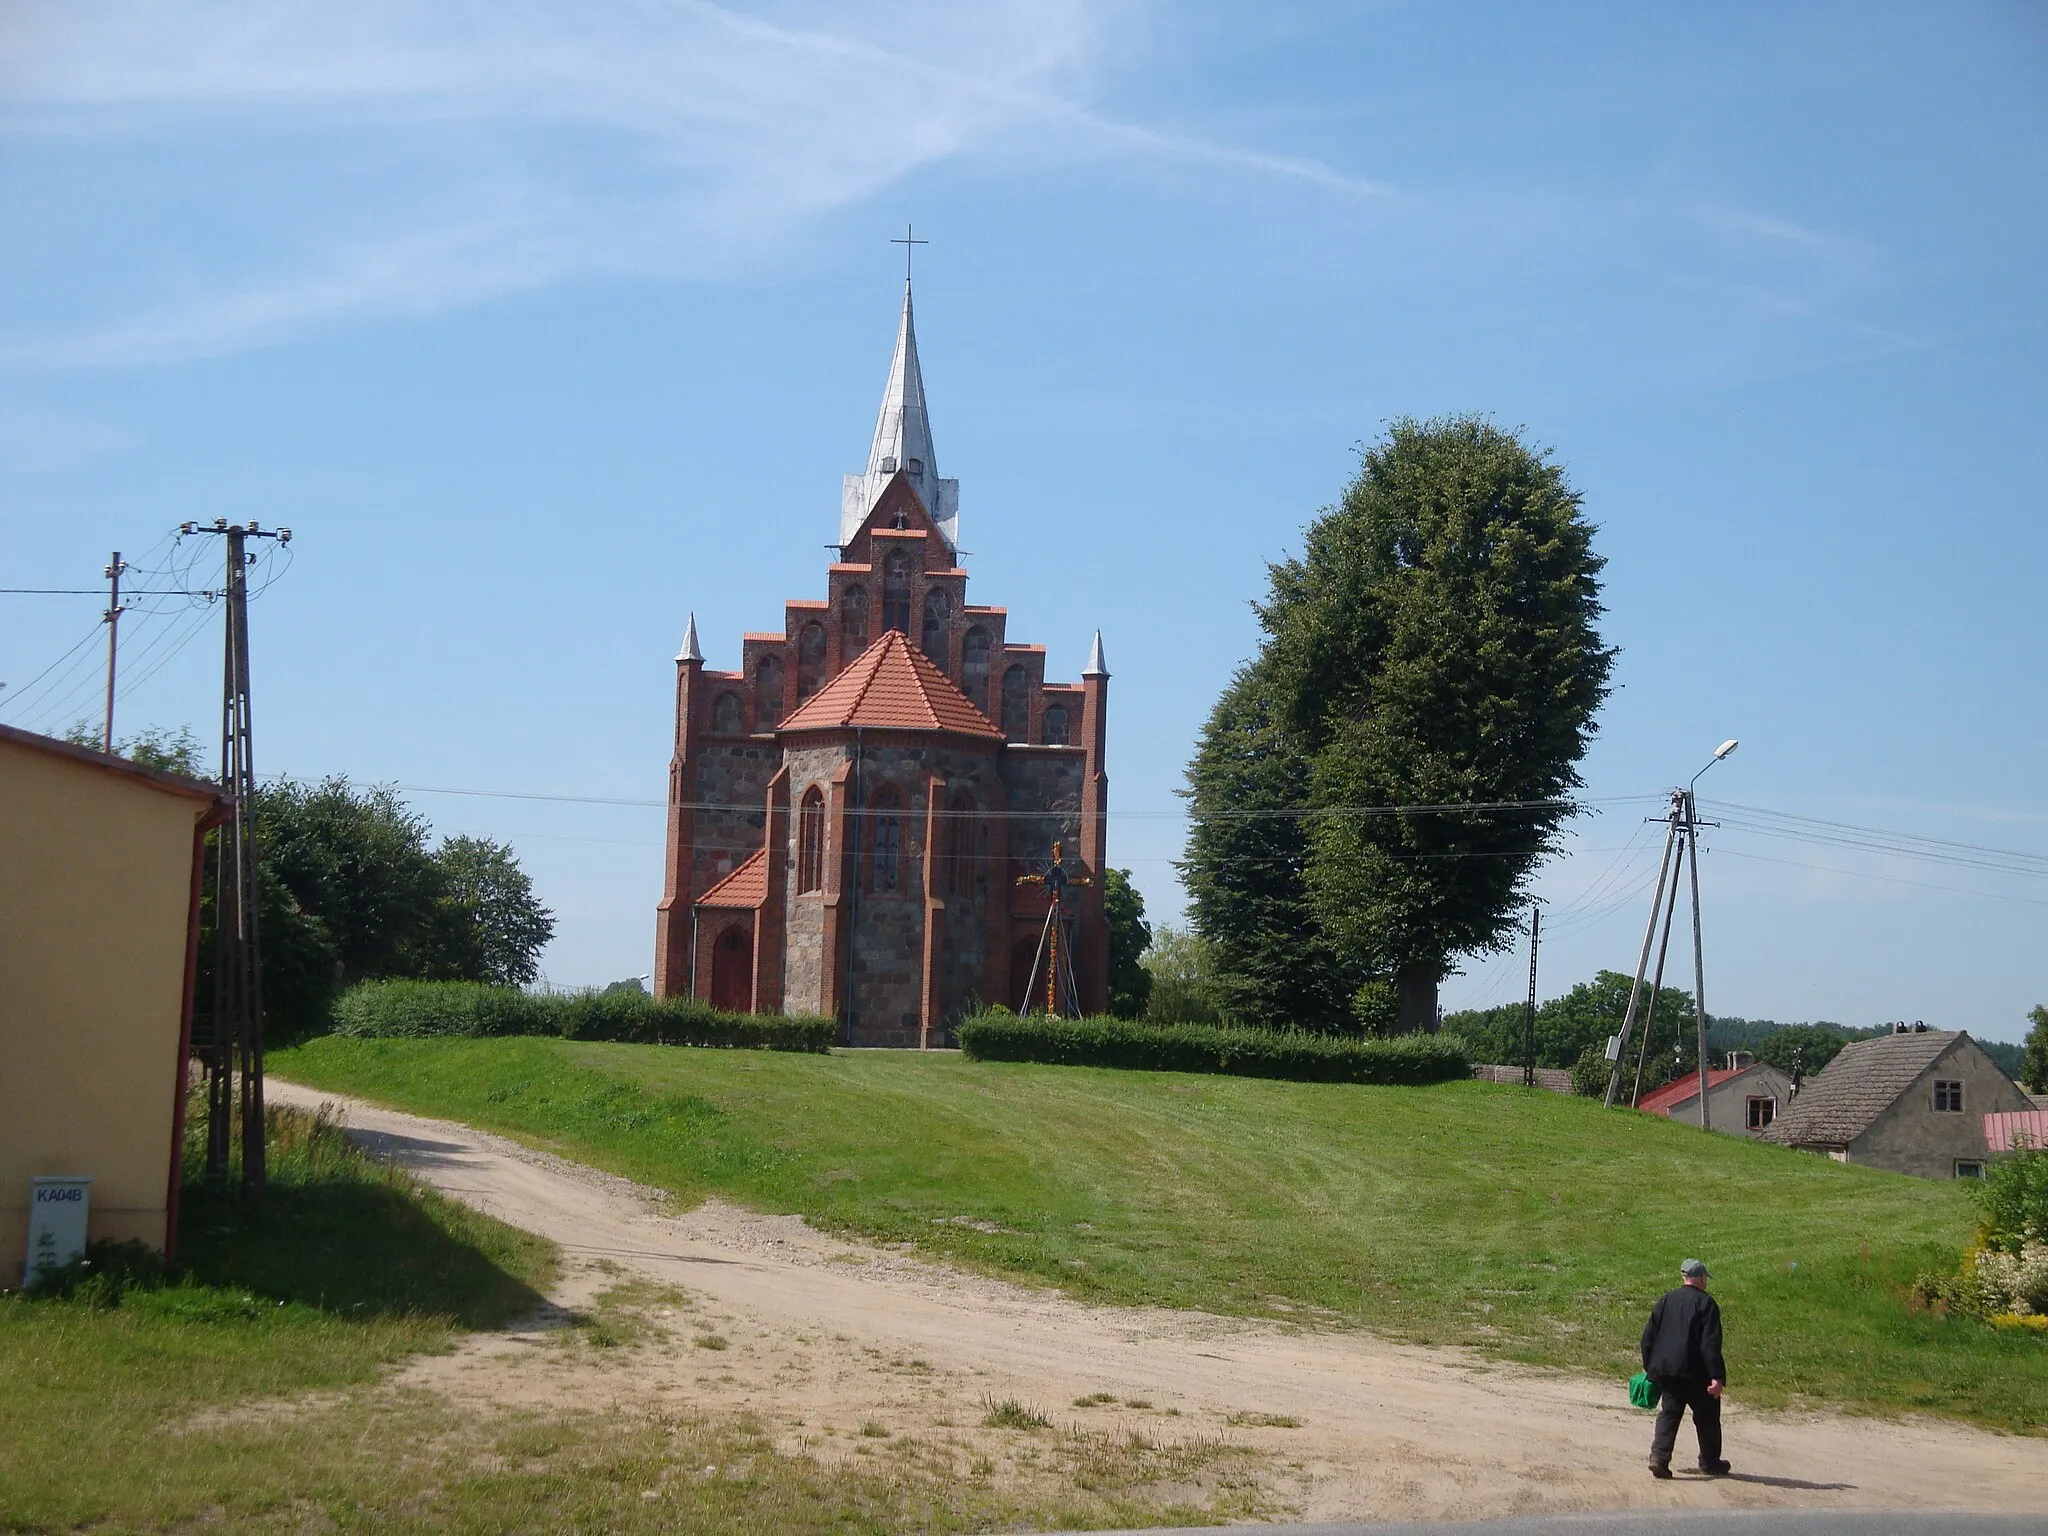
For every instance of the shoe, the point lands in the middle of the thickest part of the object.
(1659, 1470)
(1716, 1468)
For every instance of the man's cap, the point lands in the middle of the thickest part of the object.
(1693, 1269)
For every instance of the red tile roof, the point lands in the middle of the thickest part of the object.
(892, 686)
(745, 887)
(1679, 1089)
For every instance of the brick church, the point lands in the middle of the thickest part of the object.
(851, 813)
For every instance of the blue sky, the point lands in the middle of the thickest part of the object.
(544, 325)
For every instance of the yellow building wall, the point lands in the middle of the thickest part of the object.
(95, 897)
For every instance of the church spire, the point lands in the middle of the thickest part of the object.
(902, 445)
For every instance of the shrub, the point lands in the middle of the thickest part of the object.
(1296, 1055)
(384, 1009)
(2015, 1199)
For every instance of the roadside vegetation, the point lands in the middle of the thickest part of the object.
(373, 1009)
(1530, 1226)
(1296, 1055)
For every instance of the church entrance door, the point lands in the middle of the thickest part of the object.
(729, 956)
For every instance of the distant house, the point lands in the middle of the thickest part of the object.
(1744, 1098)
(1913, 1102)
(99, 932)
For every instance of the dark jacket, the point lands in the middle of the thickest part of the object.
(1682, 1339)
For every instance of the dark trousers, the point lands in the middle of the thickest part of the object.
(1679, 1395)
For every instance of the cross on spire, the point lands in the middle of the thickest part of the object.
(907, 242)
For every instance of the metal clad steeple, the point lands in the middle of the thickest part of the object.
(902, 444)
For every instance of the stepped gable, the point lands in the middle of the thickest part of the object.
(746, 886)
(892, 686)
(1861, 1083)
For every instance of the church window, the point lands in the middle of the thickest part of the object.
(853, 619)
(974, 667)
(1017, 704)
(810, 660)
(767, 693)
(1054, 727)
(810, 841)
(896, 592)
(725, 715)
(938, 618)
(887, 862)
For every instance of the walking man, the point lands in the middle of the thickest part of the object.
(1682, 1355)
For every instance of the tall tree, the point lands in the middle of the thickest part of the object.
(495, 928)
(1247, 856)
(1435, 646)
(2033, 1073)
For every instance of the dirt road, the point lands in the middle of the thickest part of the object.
(814, 1331)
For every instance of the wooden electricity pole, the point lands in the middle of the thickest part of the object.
(114, 569)
(1529, 1019)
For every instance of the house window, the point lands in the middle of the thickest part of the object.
(887, 865)
(974, 667)
(1017, 704)
(725, 715)
(853, 620)
(810, 841)
(938, 617)
(768, 693)
(1761, 1112)
(810, 660)
(1054, 726)
(896, 592)
(1948, 1097)
(1967, 1168)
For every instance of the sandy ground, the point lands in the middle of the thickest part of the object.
(822, 1335)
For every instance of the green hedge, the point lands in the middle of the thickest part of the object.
(374, 1009)
(1290, 1054)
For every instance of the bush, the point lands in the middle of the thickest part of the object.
(386, 1009)
(2015, 1199)
(1296, 1055)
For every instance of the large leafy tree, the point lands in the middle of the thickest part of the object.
(1247, 857)
(1434, 646)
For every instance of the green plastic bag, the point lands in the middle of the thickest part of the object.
(1642, 1391)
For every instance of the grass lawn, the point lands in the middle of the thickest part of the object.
(1532, 1226)
(255, 1395)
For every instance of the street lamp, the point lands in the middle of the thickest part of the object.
(1719, 752)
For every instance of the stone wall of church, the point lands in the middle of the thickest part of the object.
(803, 964)
(1044, 784)
(732, 789)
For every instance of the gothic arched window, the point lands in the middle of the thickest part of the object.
(1053, 728)
(896, 592)
(810, 660)
(938, 620)
(1017, 704)
(974, 667)
(725, 715)
(767, 693)
(853, 620)
(810, 840)
(885, 864)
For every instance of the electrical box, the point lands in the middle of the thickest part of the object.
(1614, 1047)
(57, 1210)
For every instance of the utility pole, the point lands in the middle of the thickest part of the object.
(1529, 1020)
(1656, 985)
(1699, 971)
(115, 567)
(235, 1046)
(1635, 991)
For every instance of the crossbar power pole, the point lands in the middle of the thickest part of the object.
(1656, 986)
(235, 1043)
(115, 567)
(1699, 971)
(1529, 1017)
(1635, 991)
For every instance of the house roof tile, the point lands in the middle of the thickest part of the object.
(1661, 1101)
(745, 887)
(1857, 1086)
(892, 686)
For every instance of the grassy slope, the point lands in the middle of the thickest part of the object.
(1533, 1226)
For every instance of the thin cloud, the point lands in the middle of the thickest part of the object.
(460, 153)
